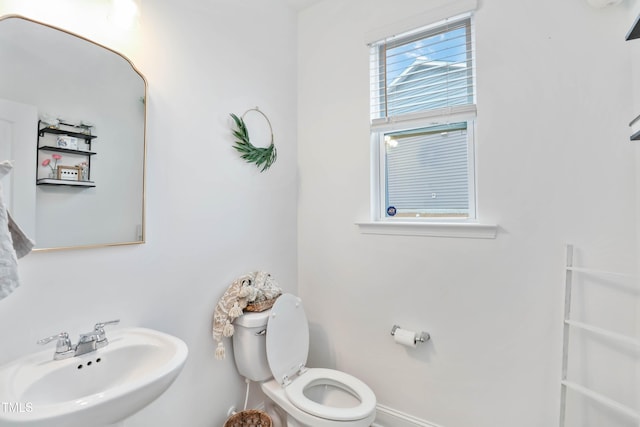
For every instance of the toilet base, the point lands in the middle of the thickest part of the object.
(280, 418)
(277, 415)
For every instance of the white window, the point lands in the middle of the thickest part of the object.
(422, 123)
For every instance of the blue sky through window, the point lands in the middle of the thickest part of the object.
(450, 47)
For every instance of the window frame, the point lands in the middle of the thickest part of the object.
(379, 190)
(384, 124)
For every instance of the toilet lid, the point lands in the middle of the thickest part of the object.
(287, 337)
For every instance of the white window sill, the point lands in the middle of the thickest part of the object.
(432, 229)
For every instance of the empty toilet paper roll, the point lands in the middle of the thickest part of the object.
(405, 337)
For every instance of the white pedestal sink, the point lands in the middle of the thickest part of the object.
(93, 390)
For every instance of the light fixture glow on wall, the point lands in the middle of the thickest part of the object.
(124, 13)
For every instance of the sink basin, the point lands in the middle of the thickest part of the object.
(92, 390)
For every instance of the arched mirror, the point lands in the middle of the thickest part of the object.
(72, 120)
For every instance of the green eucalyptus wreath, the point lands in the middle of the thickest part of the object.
(262, 156)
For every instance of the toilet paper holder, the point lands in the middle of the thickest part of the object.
(418, 338)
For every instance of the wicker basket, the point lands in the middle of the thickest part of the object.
(261, 306)
(249, 418)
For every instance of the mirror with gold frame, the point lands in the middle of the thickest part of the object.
(53, 83)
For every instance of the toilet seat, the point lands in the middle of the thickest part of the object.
(295, 392)
(276, 394)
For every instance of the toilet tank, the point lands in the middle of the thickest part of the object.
(250, 346)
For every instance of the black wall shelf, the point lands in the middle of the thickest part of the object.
(57, 131)
(66, 150)
(51, 181)
(80, 132)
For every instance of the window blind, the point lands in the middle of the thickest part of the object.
(427, 171)
(422, 72)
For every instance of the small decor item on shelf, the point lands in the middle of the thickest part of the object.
(52, 165)
(84, 171)
(50, 121)
(249, 418)
(262, 156)
(69, 173)
(86, 127)
(67, 142)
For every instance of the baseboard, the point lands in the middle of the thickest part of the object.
(388, 417)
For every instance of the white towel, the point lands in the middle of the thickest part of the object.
(227, 309)
(8, 258)
(22, 244)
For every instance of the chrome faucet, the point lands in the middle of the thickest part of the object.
(88, 342)
(91, 341)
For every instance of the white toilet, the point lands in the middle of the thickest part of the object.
(271, 348)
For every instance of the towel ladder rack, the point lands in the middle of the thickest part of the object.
(568, 324)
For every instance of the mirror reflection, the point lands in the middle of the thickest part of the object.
(72, 120)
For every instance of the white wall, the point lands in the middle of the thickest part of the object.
(554, 166)
(203, 60)
(633, 8)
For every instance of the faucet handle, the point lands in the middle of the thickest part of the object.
(99, 329)
(101, 325)
(60, 337)
(63, 346)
